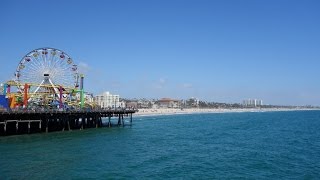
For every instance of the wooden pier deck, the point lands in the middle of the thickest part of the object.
(24, 122)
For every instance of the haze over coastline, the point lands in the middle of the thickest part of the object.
(223, 51)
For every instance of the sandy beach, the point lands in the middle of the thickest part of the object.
(170, 111)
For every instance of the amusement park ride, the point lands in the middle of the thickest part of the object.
(46, 78)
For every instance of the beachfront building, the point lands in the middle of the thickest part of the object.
(252, 102)
(168, 103)
(141, 103)
(107, 100)
(132, 104)
(192, 102)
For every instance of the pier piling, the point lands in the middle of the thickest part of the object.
(130, 119)
(119, 120)
(109, 122)
(122, 120)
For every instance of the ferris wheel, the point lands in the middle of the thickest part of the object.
(46, 66)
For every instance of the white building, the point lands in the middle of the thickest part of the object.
(252, 102)
(107, 100)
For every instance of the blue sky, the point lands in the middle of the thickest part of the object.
(223, 51)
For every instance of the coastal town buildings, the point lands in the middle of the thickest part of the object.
(108, 100)
(252, 102)
(141, 103)
(168, 103)
(132, 104)
(192, 102)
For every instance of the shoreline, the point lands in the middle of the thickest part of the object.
(170, 111)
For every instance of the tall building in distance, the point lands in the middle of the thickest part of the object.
(107, 100)
(252, 102)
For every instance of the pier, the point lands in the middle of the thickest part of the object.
(47, 94)
(26, 122)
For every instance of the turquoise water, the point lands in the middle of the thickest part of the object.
(271, 145)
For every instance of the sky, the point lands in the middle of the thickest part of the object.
(215, 50)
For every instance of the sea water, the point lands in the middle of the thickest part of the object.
(269, 145)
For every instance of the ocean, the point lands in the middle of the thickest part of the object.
(268, 145)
